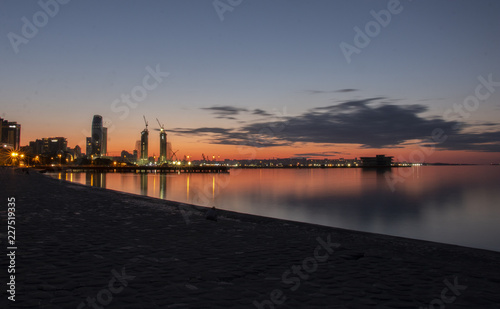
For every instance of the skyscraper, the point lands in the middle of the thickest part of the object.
(99, 138)
(10, 134)
(97, 135)
(163, 143)
(163, 147)
(144, 146)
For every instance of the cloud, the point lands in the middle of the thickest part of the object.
(228, 112)
(202, 131)
(346, 90)
(485, 142)
(312, 91)
(319, 154)
(224, 136)
(261, 112)
(370, 123)
(359, 122)
(225, 112)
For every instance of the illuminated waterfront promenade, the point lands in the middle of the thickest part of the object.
(136, 169)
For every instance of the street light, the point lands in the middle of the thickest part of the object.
(14, 156)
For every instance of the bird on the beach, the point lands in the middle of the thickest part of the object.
(211, 214)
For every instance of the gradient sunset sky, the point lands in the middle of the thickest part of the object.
(271, 75)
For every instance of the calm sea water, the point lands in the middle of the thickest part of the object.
(450, 204)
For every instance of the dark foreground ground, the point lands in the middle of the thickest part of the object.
(84, 247)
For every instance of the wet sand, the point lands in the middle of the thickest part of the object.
(84, 247)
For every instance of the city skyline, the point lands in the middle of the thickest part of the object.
(329, 79)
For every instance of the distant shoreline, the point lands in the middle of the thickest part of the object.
(148, 169)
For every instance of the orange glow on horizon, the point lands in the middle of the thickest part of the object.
(194, 147)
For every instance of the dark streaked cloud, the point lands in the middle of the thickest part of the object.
(311, 91)
(360, 122)
(229, 112)
(314, 91)
(261, 112)
(225, 112)
(224, 136)
(202, 130)
(319, 154)
(371, 123)
(346, 90)
(485, 142)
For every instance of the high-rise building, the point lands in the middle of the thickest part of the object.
(144, 146)
(99, 138)
(36, 147)
(55, 144)
(10, 134)
(163, 147)
(97, 135)
(48, 145)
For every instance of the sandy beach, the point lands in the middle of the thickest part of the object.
(85, 247)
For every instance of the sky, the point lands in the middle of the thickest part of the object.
(419, 80)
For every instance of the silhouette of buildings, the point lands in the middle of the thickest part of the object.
(128, 157)
(377, 161)
(163, 143)
(48, 145)
(144, 146)
(163, 147)
(76, 152)
(51, 150)
(99, 140)
(10, 134)
(97, 135)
